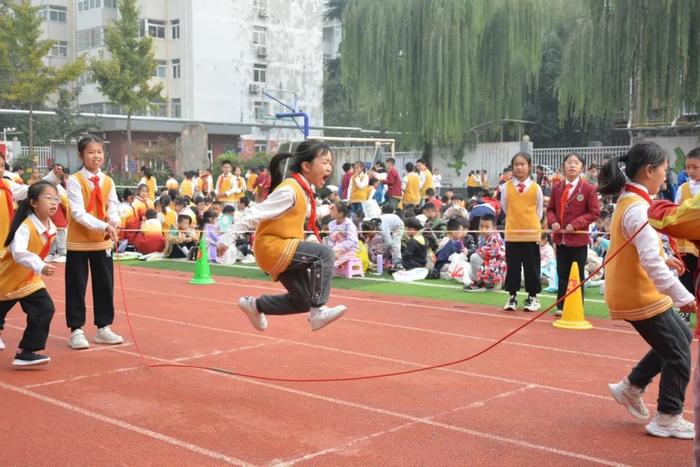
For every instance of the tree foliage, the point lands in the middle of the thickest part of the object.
(437, 68)
(640, 57)
(125, 76)
(28, 81)
(69, 124)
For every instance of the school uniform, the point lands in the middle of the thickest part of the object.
(93, 206)
(415, 254)
(152, 185)
(426, 181)
(141, 206)
(187, 188)
(572, 203)
(688, 251)
(640, 289)
(172, 184)
(229, 189)
(20, 281)
(523, 204)
(10, 192)
(304, 268)
(394, 191)
(358, 192)
(411, 190)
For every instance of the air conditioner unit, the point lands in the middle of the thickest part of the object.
(262, 12)
(254, 88)
(262, 51)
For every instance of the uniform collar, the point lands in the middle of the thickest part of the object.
(40, 227)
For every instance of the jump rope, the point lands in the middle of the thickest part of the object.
(420, 369)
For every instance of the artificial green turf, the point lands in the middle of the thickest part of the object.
(422, 289)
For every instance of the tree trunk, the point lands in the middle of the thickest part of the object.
(31, 130)
(128, 135)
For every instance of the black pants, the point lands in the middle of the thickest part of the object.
(307, 280)
(39, 309)
(566, 256)
(525, 255)
(687, 279)
(102, 271)
(669, 338)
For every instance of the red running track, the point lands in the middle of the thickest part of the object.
(539, 398)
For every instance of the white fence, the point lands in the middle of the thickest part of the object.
(43, 154)
(554, 157)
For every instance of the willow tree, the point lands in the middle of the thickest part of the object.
(641, 57)
(437, 68)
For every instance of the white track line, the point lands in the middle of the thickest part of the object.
(352, 442)
(127, 426)
(411, 418)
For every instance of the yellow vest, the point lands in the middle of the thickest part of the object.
(5, 220)
(522, 223)
(629, 293)
(241, 185)
(152, 186)
(251, 181)
(169, 220)
(358, 195)
(411, 194)
(17, 281)
(187, 188)
(472, 183)
(276, 240)
(428, 182)
(226, 184)
(81, 237)
(684, 246)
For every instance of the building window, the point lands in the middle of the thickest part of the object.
(161, 65)
(259, 73)
(175, 108)
(260, 147)
(262, 109)
(85, 5)
(260, 7)
(90, 38)
(59, 49)
(54, 13)
(175, 28)
(153, 28)
(176, 68)
(259, 35)
(86, 78)
(110, 3)
(158, 109)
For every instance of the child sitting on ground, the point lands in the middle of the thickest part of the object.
(548, 264)
(455, 234)
(150, 239)
(211, 233)
(416, 250)
(488, 263)
(227, 219)
(375, 243)
(343, 235)
(183, 240)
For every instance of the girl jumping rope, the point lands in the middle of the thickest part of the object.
(641, 289)
(91, 237)
(304, 268)
(28, 243)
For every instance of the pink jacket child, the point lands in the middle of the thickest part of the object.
(343, 239)
(493, 252)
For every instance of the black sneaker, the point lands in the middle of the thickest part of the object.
(531, 304)
(511, 304)
(26, 358)
(473, 288)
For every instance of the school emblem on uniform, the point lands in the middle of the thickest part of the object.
(579, 197)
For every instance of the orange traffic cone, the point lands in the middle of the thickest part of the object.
(572, 317)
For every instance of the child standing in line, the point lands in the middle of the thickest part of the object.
(411, 187)
(522, 201)
(227, 185)
(359, 189)
(92, 234)
(573, 206)
(304, 268)
(28, 243)
(187, 186)
(641, 289)
(343, 235)
(9, 193)
(688, 251)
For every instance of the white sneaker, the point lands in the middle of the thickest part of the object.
(59, 259)
(2, 344)
(78, 341)
(670, 426)
(531, 304)
(322, 316)
(256, 318)
(630, 397)
(106, 336)
(49, 259)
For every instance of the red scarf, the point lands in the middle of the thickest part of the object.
(9, 199)
(312, 200)
(564, 199)
(96, 198)
(43, 253)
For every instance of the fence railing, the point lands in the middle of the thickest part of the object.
(553, 157)
(43, 155)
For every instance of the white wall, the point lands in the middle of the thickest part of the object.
(671, 143)
(492, 157)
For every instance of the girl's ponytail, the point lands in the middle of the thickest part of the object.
(612, 179)
(25, 207)
(276, 170)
